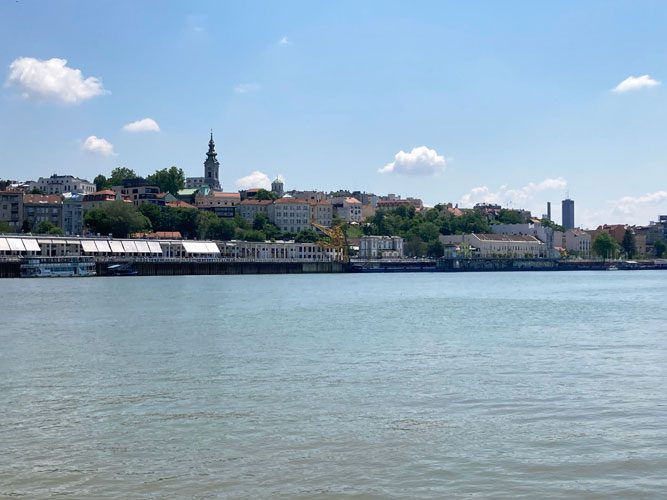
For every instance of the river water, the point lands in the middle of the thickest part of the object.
(318, 386)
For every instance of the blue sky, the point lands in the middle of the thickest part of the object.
(511, 102)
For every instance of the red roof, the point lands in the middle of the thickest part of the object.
(179, 204)
(256, 202)
(42, 198)
(292, 201)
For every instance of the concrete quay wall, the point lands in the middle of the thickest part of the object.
(182, 268)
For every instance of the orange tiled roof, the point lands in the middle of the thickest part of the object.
(292, 201)
(42, 198)
(256, 202)
(179, 204)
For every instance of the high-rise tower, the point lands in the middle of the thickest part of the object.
(212, 166)
(568, 214)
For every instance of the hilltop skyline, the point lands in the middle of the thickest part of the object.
(515, 104)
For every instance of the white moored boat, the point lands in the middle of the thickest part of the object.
(57, 267)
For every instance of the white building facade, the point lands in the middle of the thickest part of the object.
(498, 245)
(381, 247)
(59, 184)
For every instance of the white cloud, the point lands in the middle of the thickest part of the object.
(503, 195)
(244, 88)
(635, 83)
(143, 125)
(98, 145)
(629, 205)
(52, 79)
(634, 210)
(284, 41)
(256, 179)
(419, 161)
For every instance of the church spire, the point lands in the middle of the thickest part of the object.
(212, 166)
(211, 146)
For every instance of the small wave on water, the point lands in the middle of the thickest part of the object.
(457, 391)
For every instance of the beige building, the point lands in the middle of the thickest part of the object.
(11, 209)
(322, 213)
(278, 251)
(248, 209)
(290, 214)
(59, 184)
(220, 203)
(577, 240)
(347, 208)
(380, 247)
(98, 198)
(498, 245)
(38, 208)
(139, 192)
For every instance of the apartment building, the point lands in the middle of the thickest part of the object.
(11, 209)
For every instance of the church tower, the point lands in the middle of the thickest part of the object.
(277, 187)
(212, 167)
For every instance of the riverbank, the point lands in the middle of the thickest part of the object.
(10, 268)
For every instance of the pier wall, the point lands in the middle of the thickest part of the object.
(10, 269)
(182, 268)
(497, 264)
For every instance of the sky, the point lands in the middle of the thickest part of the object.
(516, 103)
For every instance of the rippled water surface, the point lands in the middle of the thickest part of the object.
(409, 385)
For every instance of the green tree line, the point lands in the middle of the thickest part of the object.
(169, 180)
(122, 219)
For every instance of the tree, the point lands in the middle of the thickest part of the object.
(605, 246)
(119, 174)
(222, 229)
(306, 236)
(435, 249)
(549, 223)
(660, 248)
(46, 227)
(36, 190)
(5, 227)
(260, 221)
(118, 218)
(629, 244)
(169, 180)
(241, 222)
(101, 182)
(415, 247)
(507, 216)
(263, 194)
(427, 231)
(205, 220)
(251, 235)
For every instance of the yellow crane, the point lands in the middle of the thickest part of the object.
(337, 240)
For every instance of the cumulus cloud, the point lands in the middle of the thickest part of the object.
(52, 79)
(284, 41)
(98, 145)
(635, 83)
(419, 161)
(636, 210)
(504, 194)
(256, 179)
(245, 88)
(143, 125)
(629, 205)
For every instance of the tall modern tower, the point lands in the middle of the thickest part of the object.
(568, 214)
(212, 166)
